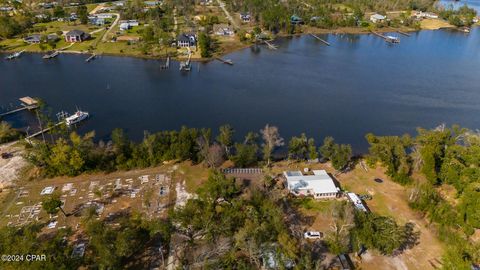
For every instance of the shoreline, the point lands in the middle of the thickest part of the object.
(241, 46)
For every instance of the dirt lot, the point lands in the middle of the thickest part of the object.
(389, 199)
(434, 24)
(11, 167)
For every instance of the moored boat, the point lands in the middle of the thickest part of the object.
(77, 117)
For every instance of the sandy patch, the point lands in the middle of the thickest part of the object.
(434, 24)
(11, 167)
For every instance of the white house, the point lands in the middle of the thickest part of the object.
(125, 25)
(426, 15)
(223, 30)
(377, 18)
(319, 185)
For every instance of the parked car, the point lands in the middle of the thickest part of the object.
(313, 235)
(378, 180)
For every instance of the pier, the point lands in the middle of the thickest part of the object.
(42, 131)
(322, 40)
(92, 57)
(389, 39)
(52, 55)
(15, 55)
(227, 61)
(27, 103)
(403, 33)
(270, 45)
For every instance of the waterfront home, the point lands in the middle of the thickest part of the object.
(33, 39)
(245, 17)
(223, 30)
(76, 36)
(319, 184)
(377, 18)
(294, 19)
(206, 2)
(104, 15)
(186, 40)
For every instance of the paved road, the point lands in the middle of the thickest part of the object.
(229, 17)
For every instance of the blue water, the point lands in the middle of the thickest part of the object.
(475, 4)
(360, 84)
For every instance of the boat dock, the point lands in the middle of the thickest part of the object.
(270, 45)
(50, 56)
(27, 103)
(389, 39)
(403, 33)
(14, 55)
(322, 40)
(227, 61)
(92, 57)
(42, 131)
(186, 66)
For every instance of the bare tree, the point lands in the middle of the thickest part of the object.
(272, 139)
(215, 155)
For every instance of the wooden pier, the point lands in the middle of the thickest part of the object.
(270, 45)
(388, 39)
(42, 131)
(227, 61)
(92, 57)
(50, 56)
(403, 33)
(27, 103)
(322, 40)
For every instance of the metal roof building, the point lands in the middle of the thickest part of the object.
(319, 185)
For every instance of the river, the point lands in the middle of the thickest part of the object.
(360, 84)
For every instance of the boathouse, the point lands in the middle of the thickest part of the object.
(76, 36)
(319, 184)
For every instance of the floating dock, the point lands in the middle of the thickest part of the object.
(50, 56)
(322, 40)
(227, 61)
(27, 103)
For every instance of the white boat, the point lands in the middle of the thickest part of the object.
(392, 39)
(76, 117)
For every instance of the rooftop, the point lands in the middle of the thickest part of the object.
(320, 181)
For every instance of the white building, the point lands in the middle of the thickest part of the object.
(126, 25)
(319, 185)
(357, 202)
(377, 18)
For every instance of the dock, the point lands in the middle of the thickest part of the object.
(27, 103)
(92, 57)
(42, 131)
(227, 61)
(388, 39)
(270, 45)
(322, 40)
(15, 55)
(50, 56)
(403, 33)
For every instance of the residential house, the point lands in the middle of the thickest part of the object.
(153, 3)
(33, 39)
(95, 20)
(319, 184)
(76, 36)
(223, 30)
(245, 17)
(104, 15)
(6, 9)
(186, 40)
(426, 15)
(126, 25)
(377, 18)
(206, 2)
